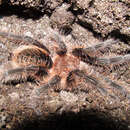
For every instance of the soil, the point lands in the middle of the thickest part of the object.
(77, 22)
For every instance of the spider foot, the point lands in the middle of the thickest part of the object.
(113, 60)
(115, 64)
(52, 83)
(119, 90)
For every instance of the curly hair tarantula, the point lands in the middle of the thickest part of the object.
(32, 61)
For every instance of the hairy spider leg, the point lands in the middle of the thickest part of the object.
(113, 60)
(97, 85)
(31, 61)
(85, 57)
(23, 40)
(88, 54)
(114, 63)
(87, 78)
(22, 74)
(100, 46)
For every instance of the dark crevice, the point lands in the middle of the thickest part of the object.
(91, 3)
(125, 3)
(89, 27)
(77, 11)
(22, 12)
(118, 35)
(66, 1)
(127, 17)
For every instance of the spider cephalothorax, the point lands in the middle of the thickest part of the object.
(32, 61)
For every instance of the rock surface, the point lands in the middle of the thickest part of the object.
(82, 22)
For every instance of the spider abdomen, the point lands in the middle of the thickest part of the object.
(32, 55)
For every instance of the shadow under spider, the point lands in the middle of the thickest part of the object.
(22, 12)
(87, 119)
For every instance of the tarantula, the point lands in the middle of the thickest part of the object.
(32, 61)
